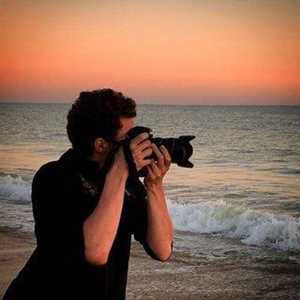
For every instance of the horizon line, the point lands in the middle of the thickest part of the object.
(163, 104)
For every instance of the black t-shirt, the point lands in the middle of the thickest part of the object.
(64, 194)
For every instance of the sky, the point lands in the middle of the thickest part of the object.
(171, 52)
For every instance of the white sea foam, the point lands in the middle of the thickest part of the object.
(14, 188)
(251, 227)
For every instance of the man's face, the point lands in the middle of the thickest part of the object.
(127, 124)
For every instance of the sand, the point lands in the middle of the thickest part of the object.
(182, 277)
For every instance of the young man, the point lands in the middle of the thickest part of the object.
(86, 206)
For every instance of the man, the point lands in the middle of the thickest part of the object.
(86, 206)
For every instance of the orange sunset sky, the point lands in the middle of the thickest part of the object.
(177, 52)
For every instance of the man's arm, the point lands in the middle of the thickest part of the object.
(101, 226)
(160, 229)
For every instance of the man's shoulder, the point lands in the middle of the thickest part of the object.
(54, 177)
(60, 166)
(48, 171)
(52, 170)
(48, 168)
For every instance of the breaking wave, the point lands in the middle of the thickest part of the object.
(14, 188)
(262, 229)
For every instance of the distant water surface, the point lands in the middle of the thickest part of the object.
(245, 184)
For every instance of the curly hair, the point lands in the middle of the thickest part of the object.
(97, 114)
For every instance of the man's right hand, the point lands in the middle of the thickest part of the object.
(140, 147)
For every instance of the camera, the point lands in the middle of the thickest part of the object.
(179, 148)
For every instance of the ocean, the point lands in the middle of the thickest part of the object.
(242, 197)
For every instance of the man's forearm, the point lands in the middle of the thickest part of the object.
(160, 228)
(101, 226)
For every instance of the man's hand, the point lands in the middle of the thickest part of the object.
(157, 170)
(141, 148)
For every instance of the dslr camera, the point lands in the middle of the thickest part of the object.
(179, 148)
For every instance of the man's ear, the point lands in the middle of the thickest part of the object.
(101, 145)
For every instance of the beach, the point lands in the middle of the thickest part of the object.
(235, 213)
(214, 82)
(182, 277)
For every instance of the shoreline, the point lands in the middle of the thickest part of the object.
(183, 277)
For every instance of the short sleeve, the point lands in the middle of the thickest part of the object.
(57, 214)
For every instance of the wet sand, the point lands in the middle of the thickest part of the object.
(183, 277)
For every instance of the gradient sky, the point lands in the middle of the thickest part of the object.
(186, 52)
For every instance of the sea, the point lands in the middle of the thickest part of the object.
(241, 198)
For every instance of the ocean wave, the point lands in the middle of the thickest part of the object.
(261, 229)
(252, 227)
(14, 188)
